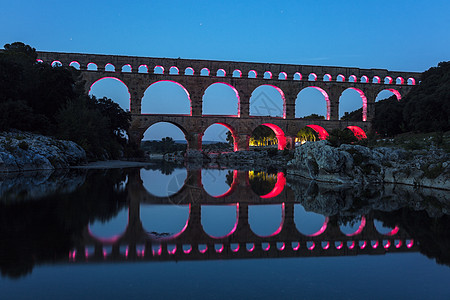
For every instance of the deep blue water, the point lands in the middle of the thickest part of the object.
(37, 236)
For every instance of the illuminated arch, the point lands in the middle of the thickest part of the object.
(158, 70)
(204, 72)
(358, 132)
(340, 78)
(364, 79)
(185, 92)
(261, 234)
(363, 98)
(278, 188)
(297, 76)
(114, 238)
(352, 78)
(205, 108)
(399, 80)
(411, 81)
(232, 187)
(189, 71)
(323, 134)
(325, 95)
(92, 66)
(75, 64)
(126, 68)
(174, 71)
(149, 215)
(122, 105)
(267, 75)
(221, 73)
(56, 63)
(279, 134)
(252, 74)
(264, 97)
(143, 69)
(393, 91)
(109, 67)
(237, 73)
(312, 77)
(388, 80)
(327, 77)
(376, 79)
(282, 76)
(231, 129)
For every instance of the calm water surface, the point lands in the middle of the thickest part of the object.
(164, 232)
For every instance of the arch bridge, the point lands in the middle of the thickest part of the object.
(195, 76)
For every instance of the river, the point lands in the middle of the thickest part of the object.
(164, 231)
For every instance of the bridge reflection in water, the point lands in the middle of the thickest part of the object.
(193, 243)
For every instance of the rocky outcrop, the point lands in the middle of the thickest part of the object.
(355, 164)
(22, 151)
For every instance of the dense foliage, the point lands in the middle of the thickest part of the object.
(51, 100)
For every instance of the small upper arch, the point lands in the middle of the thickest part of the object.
(326, 77)
(252, 74)
(189, 71)
(56, 63)
(411, 81)
(75, 64)
(158, 70)
(174, 71)
(312, 77)
(109, 67)
(399, 80)
(237, 73)
(143, 69)
(388, 80)
(221, 73)
(297, 76)
(364, 79)
(92, 67)
(126, 68)
(282, 76)
(340, 78)
(204, 72)
(267, 75)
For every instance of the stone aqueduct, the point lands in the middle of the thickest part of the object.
(195, 76)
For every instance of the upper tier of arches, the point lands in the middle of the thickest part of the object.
(188, 67)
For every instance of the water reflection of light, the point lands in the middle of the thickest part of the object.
(161, 185)
(354, 227)
(111, 229)
(164, 221)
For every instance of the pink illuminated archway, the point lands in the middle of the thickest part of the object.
(126, 68)
(281, 94)
(278, 188)
(115, 78)
(233, 185)
(364, 102)
(400, 80)
(364, 79)
(376, 79)
(221, 73)
(358, 132)
(75, 64)
(312, 77)
(204, 72)
(189, 71)
(174, 70)
(388, 80)
(233, 133)
(340, 78)
(323, 134)
(237, 73)
(279, 134)
(327, 77)
(237, 96)
(109, 67)
(352, 78)
(325, 95)
(411, 81)
(158, 70)
(252, 74)
(282, 76)
(143, 69)
(180, 85)
(267, 75)
(297, 76)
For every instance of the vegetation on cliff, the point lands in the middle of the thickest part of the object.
(51, 100)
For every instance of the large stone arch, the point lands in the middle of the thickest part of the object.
(228, 85)
(279, 90)
(363, 98)
(169, 81)
(324, 94)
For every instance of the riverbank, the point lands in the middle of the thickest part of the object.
(24, 151)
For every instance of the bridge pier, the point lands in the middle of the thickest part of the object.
(242, 141)
(194, 140)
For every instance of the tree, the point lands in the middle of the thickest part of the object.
(307, 134)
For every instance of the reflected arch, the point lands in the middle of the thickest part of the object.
(309, 223)
(166, 97)
(163, 184)
(164, 221)
(221, 98)
(111, 230)
(113, 88)
(268, 100)
(220, 221)
(266, 220)
(310, 101)
(350, 100)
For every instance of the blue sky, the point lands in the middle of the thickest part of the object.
(396, 35)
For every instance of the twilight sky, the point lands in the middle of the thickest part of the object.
(396, 35)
